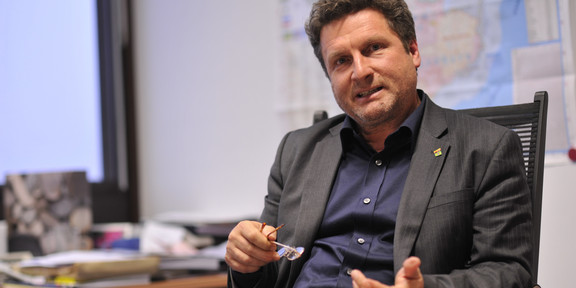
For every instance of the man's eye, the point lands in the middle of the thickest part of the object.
(375, 47)
(340, 61)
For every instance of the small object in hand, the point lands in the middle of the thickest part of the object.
(289, 252)
(278, 228)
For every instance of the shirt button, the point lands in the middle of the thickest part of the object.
(361, 240)
(349, 271)
(378, 162)
(366, 200)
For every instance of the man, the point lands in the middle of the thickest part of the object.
(397, 191)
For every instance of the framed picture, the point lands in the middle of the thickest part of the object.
(54, 208)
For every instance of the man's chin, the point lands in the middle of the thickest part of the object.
(370, 118)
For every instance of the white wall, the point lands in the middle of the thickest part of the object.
(208, 129)
(557, 249)
(205, 84)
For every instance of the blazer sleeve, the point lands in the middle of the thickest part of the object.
(501, 235)
(267, 275)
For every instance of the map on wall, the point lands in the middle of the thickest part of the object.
(474, 53)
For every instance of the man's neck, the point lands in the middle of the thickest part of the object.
(375, 135)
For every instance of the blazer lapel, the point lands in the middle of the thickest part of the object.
(325, 160)
(427, 161)
(324, 163)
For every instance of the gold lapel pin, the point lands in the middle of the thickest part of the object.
(438, 152)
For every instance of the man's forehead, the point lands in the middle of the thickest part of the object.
(363, 24)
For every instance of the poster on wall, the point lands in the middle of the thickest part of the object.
(474, 53)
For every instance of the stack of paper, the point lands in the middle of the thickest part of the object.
(206, 259)
(79, 268)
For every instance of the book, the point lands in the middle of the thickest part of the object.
(90, 265)
(119, 281)
(15, 283)
(198, 263)
(9, 273)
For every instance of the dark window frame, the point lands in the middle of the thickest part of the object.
(116, 198)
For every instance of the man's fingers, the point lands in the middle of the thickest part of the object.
(358, 279)
(412, 268)
(242, 263)
(361, 281)
(248, 249)
(408, 276)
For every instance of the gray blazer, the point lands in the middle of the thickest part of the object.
(466, 213)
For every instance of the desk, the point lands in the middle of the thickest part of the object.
(205, 281)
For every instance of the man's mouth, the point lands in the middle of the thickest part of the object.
(364, 94)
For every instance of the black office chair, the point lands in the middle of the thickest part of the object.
(529, 122)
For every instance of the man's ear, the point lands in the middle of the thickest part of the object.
(413, 50)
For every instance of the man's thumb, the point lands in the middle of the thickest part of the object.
(412, 268)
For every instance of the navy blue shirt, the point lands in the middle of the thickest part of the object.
(357, 231)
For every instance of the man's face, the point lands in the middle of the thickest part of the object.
(373, 77)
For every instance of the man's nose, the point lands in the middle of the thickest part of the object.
(361, 68)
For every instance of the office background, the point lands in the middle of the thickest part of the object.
(210, 146)
(206, 83)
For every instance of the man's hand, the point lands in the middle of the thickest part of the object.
(408, 277)
(248, 248)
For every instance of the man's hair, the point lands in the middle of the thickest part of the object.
(324, 12)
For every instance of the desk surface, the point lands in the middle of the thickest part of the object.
(205, 281)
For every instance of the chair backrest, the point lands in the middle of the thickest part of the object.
(529, 122)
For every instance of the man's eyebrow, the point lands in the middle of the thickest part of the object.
(375, 39)
(335, 54)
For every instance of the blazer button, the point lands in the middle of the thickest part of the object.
(378, 162)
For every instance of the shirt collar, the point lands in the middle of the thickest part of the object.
(348, 131)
